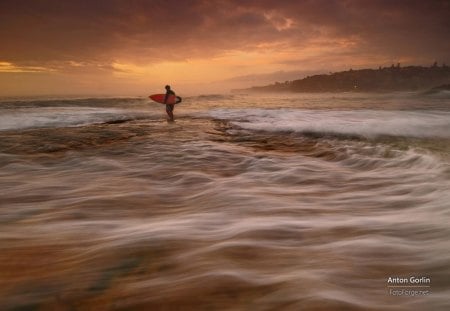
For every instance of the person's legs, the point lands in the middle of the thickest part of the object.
(169, 110)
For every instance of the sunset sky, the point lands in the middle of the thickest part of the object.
(132, 47)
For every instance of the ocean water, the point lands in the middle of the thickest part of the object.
(269, 202)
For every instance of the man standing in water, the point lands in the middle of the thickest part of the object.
(169, 107)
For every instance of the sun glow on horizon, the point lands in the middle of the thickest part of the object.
(198, 70)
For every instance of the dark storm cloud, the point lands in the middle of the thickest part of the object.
(44, 31)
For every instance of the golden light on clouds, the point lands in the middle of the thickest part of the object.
(7, 67)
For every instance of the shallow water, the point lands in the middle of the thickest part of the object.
(294, 202)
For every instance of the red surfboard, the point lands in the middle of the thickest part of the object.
(159, 98)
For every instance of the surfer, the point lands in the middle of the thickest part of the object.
(169, 108)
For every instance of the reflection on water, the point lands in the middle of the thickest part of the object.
(209, 213)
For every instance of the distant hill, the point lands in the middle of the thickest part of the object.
(389, 79)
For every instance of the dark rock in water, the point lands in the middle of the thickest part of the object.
(437, 89)
(118, 121)
(444, 87)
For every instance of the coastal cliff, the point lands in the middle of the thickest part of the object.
(388, 79)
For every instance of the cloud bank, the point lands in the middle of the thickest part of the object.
(116, 36)
(150, 31)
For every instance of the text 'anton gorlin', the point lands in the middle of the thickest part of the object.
(412, 280)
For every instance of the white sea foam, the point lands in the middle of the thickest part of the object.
(366, 123)
(22, 118)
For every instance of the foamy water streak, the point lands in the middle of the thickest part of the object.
(15, 115)
(366, 123)
(242, 210)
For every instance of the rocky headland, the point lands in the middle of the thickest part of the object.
(387, 79)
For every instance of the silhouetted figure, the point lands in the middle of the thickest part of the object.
(169, 107)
